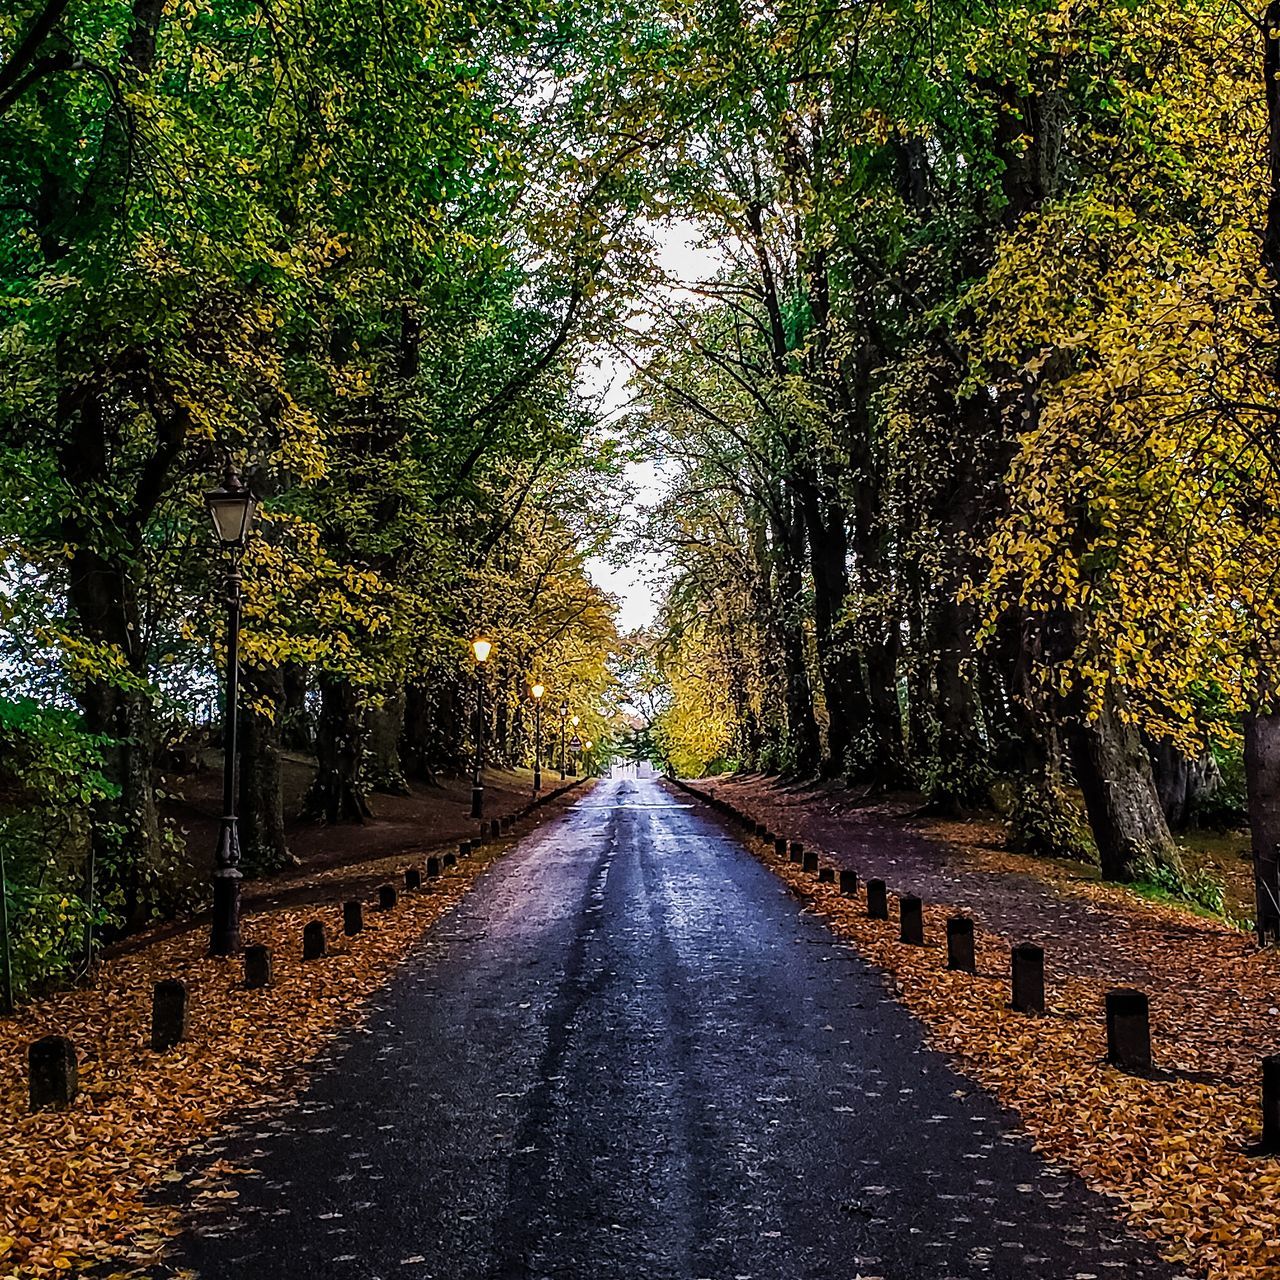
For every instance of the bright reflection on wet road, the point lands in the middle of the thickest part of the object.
(629, 1055)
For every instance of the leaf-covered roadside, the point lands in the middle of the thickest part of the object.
(1171, 1149)
(77, 1187)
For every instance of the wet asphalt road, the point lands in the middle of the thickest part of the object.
(629, 1054)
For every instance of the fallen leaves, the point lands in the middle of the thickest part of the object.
(77, 1187)
(1171, 1148)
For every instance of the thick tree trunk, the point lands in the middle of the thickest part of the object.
(263, 843)
(1182, 781)
(961, 776)
(295, 719)
(337, 794)
(802, 727)
(125, 840)
(1262, 785)
(1120, 798)
(385, 725)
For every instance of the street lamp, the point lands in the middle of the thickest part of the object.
(537, 691)
(564, 720)
(573, 771)
(231, 507)
(482, 648)
(586, 748)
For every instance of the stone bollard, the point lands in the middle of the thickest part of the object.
(505, 822)
(257, 967)
(314, 943)
(797, 850)
(849, 883)
(1270, 1144)
(911, 920)
(464, 849)
(779, 846)
(387, 897)
(450, 860)
(1027, 973)
(352, 917)
(412, 879)
(826, 875)
(1128, 1029)
(433, 867)
(794, 855)
(168, 1014)
(960, 953)
(761, 830)
(53, 1074)
(810, 861)
(877, 900)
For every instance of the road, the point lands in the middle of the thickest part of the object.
(630, 1054)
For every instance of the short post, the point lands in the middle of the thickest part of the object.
(53, 1074)
(826, 875)
(464, 849)
(1128, 1029)
(168, 1014)
(412, 879)
(960, 953)
(779, 846)
(795, 855)
(314, 943)
(810, 861)
(1027, 973)
(352, 917)
(433, 867)
(911, 920)
(1270, 1106)
(257, 966)
(387, 897)
(450, 859)
(761, 829)
(848, 883)
(797, 850)
(877, 900)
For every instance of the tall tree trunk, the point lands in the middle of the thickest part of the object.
(385, 724)
(295, 719)
(802, 727)
(125, 839)
(337, 793)
(1120, 797)
(1262, 722)
(1262, 779)
(263, 843)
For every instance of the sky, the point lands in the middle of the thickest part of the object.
(637, 582)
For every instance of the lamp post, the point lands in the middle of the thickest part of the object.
(573, 772)
(537, 691)
(482, 648)
(586, 750)
(231, 507)
(564, 720)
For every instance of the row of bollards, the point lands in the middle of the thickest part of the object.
(1127, 1012)
(52, 1062)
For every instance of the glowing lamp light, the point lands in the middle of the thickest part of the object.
(537, 691)
(482, 649)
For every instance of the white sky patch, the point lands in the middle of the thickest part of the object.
(604, 375)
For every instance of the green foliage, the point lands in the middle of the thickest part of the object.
(50, 779)
(1200, 889)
